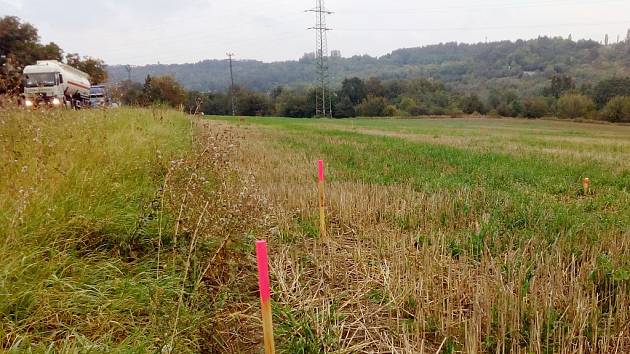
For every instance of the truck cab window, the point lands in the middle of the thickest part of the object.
(60, 79)
(40, 80)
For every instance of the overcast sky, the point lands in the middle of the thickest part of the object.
(180, 31)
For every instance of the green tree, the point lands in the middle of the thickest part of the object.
(374, 87)
(408, 105)
(472, 104)
(517, 108)
(163, 90)
(559, 85)
(344, 108)
(617, 109)
(276, 92)
(94, 67)
(373, 106)
(296, 104)
(147, 91)
(354, 89)
(575, 106)
(251, 103)
(605, 90)
(512, 109)
(535, 107)
(216, 103)
(391, 111)
(19, 46)
(130, 93)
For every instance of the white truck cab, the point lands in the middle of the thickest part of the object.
(50, 82)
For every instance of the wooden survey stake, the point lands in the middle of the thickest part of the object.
(322, 199)
(265, 295)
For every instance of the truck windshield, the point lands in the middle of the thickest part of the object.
(39, 79)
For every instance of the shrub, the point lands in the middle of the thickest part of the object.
(344, 108)
(574, 106)
(617, 109)
(471, 104)
(408, 105)
(391, 111)
(372, 107)
(535, 107)
(607, 89)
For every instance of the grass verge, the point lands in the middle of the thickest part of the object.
(122, 230)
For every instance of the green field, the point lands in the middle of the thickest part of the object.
(472, 234)
(132, 230)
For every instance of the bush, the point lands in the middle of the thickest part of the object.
(372, 107)
(471, 104)
(535, 107)
(421, 109)
(391, 111)
(252, 103)
(162, 89)
(617, 110)
(408, 105)
(607, 89)
(575, 106)
(344, 108)
(296, 104)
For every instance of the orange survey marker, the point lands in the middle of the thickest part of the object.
(265, 295)
(322, 200)
(586, 184)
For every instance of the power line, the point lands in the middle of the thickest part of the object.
(323, 97)
(232, 95)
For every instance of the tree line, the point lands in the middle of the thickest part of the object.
(523, 65)
(608, 100)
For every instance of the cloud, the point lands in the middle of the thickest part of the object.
(14, 5)
(145, 31)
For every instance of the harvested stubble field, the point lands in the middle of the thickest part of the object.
(133, 230)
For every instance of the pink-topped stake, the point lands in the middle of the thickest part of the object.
(265, 295)
(320, 170)
(322, 199)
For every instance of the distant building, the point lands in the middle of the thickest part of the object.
(335, 53)
(309, 56)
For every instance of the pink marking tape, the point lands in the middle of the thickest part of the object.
(263, 270)
(320, 170)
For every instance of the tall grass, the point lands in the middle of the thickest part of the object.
(79, 227)
(104, 247)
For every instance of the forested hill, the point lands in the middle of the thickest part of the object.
(522, 65)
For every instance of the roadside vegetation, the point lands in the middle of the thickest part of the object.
(115, 229)
(79, 232)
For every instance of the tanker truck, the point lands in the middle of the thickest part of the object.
(52, 83)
